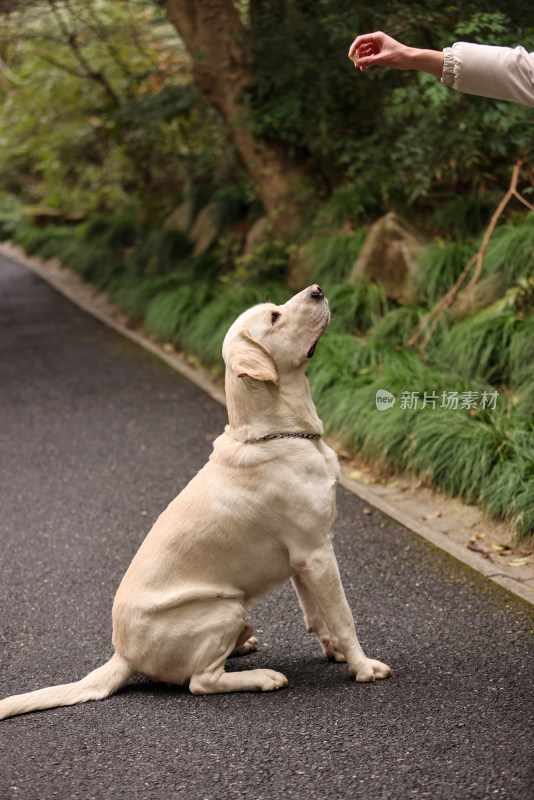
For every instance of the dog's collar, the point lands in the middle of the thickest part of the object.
(271, 436)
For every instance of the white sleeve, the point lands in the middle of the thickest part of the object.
(488, 71)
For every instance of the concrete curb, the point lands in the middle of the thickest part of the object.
(450, 532)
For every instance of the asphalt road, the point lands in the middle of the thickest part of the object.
(96, 437)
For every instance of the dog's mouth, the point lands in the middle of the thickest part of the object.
(311, 351)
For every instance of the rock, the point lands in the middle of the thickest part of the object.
(300, 270)
(485, 292)
(180, 219)
(204, 231)
(389, 255)
(43, 216)
(258, 230)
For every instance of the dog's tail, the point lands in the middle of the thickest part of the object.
(100, 683)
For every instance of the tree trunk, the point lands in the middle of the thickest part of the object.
(216, 40)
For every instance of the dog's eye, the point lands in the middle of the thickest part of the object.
(274, 317)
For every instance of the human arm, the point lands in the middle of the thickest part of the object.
(503, 73)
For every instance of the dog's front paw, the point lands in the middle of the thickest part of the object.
(371, 670)
(380, 670)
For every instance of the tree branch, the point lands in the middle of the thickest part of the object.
(433, 317)
(89, 72)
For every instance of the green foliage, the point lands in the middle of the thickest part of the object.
(443, 452)
(480, 346)
(511, 250)
(269, 261)
(356, 308)
(114, 83)
(113, 232)
(134, 294)
(126, 148)
(9, 216)
(508, 491)
(394, 137)
(329, 256)
(464, 216)
(169, 314)
(397, 325)
(160, 251)
(440, 266)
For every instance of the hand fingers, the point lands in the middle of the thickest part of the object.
(370, 41)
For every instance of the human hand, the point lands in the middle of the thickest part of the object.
(371, 49)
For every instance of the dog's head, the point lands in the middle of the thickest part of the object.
(270, 342)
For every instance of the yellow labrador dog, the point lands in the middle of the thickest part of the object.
(261, 511)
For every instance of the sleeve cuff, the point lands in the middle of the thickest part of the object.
(447, 76)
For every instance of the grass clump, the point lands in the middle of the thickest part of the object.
(111, 232)
(509, 490)
(479, 347)
(445, 454)
(356, 308)
(440, 265)
(330, 256)
(170, 313)
(511, 250)
(159, 252)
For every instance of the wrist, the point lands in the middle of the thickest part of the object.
(430, 61)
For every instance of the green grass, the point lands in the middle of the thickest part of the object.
(480, 347)
(330, 257)
(508, 491)
(159, 252)
(454, 452)
(357, 308)
(170, 313)
(511, 250)
(440, 265)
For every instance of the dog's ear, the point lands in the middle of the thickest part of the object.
(248, 357)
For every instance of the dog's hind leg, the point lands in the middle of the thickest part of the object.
(212, 679)
(245, 643)
(216, 681)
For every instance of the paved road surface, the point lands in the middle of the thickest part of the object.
(96, 437)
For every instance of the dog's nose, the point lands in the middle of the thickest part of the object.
(316, 292)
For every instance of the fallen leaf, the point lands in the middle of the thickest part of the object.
(392, 485)
(499, 547)
(518, 562)
(435, 515)
(356, 474)
(367, 511)
(472, 546)
(527, 552)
